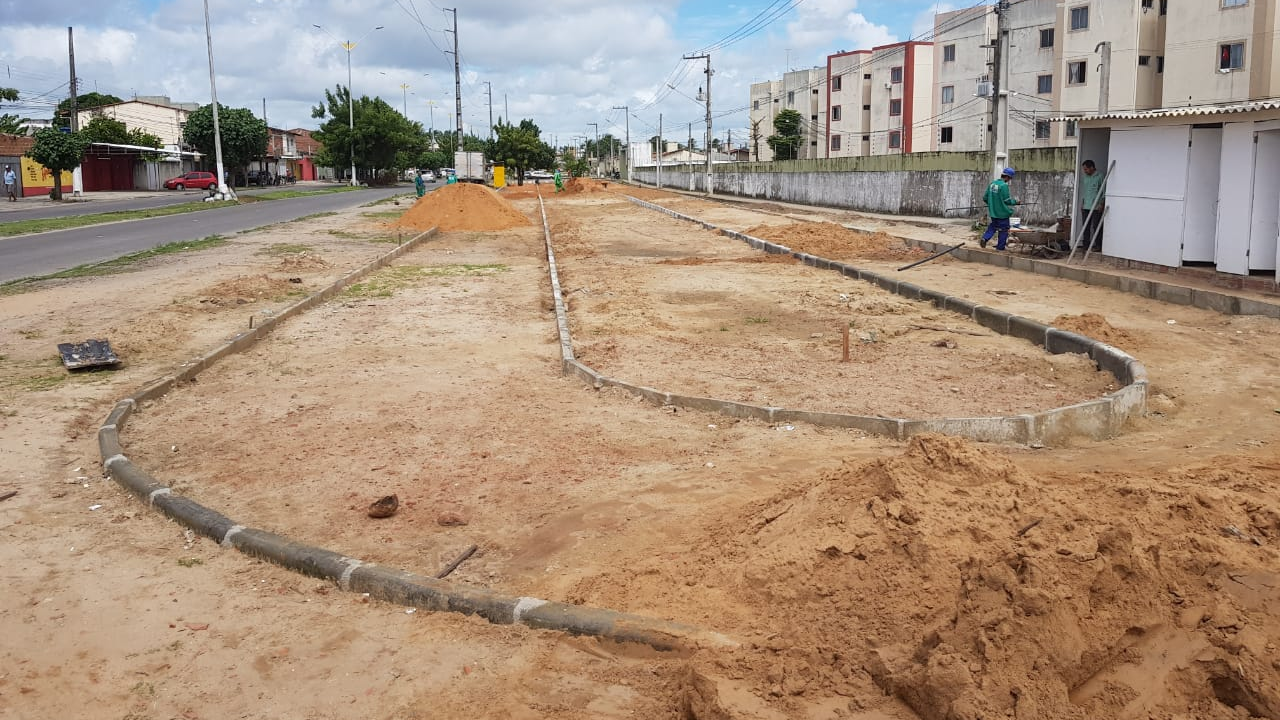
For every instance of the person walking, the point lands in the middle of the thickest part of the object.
(559, 181)
(10, 184)
(1092, 203)
(1000, 204)
(419, 185)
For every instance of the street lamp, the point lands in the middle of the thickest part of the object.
(431, 106)
(596, 151)
(404, 87)
(223, 192)
(351, 98)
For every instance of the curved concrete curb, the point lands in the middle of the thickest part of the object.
(352, 574)
(1098, 419)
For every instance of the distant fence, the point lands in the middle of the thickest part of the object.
(932, 184)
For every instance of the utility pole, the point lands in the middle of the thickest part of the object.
(626, 114)
(457, 77)
(223, 192)
(489, 91)
(690, 146)
(506, 110)
(404, 93)
(999, 103)
(707, 97)
(1104, 84)
(595, 150)
(77, 179)
(660, 149)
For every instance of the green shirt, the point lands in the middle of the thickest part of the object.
(999, 203)
(1090, 189)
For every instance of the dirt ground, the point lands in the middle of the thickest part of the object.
(864, 578)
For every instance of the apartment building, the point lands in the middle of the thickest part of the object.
(849, 104)
(1220, 51)
(895, 86)
(962, 48)
(801, 90)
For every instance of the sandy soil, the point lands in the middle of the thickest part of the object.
(1132, 578)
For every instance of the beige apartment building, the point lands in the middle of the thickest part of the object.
(165, 121)
(1162, 54)
(801, 90)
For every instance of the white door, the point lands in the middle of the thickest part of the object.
(1265, 218)
(1235, 202)
(1200, 229)
(1146, 194)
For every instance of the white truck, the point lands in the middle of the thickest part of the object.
(469, 167)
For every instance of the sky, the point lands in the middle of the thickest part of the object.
(565, 64)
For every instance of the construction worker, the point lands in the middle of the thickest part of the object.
(1000, 206)
(559, 181)
(419, 185)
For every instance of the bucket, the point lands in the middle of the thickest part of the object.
(1015, 222)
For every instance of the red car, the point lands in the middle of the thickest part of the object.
(201, 180)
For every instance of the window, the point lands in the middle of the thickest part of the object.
(1234, 3)
(948, 94)
(835, 113)
(866, 138)
(895, 140)
(835, 83)
(791, 97)
(813, 118)
(1164, 7)
(948, 53)
(1042, 129)
(947, 134)
(835, 142)
(895, 75)
(866, 76)
(1231, 56)
(1076, 73)
(1044, 84)
(755, 105)
(1046, 37)
(1071, 128)
(1080, 18)
(1144, 60)
(1159, 63)
(895, 108)
(813, 143)
(815, 91)
(1147, 4)
(866, 107)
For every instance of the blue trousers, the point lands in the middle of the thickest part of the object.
(1000, 225)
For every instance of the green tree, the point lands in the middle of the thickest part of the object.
(381, 135)
(244, 135)
(62, 115)
(59, 152)
(9, 124)
(102, 129)
(786, 138)
(138, 136)
(520, 148)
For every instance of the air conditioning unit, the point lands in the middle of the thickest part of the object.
(984, 89)
(888, 86)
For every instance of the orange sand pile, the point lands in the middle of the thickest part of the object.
(464, 206)
(1095, 326)
(835, 242)
(582, 185)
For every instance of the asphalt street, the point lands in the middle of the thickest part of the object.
(44, 253)
(41, 208)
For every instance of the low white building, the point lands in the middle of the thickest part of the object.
(1190, 186)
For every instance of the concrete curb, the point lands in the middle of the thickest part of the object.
(352, 574)
(1097, 419)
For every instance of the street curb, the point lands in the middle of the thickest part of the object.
(352, 574)
(1098, 419)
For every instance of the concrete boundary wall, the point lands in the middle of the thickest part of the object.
(1098, 419)
(1204, 299)
(352, 574)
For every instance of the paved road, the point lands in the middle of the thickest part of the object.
(45, 253)
(103, 202)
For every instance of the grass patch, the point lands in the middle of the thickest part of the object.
(313, 216)
(386, 282)
(190, 562)
(387, 239)
(757, 320)
(384, 214)
(115, 265)
(40, 383)
(283, 249)
(286, 194)
(27, 227)
(387, 200)
(348, 235)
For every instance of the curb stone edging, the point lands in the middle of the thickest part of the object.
(351, 574)
(1097, 419)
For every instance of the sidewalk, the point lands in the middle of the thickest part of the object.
(1200, 287)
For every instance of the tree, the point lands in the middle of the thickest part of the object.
(9, 124)
(59, 152)
(102, 129)
(381, 132)
(786, 138)
(138, 136)
(62, 115)
(244, 136)
(520, 147)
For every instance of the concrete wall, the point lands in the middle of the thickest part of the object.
(915, 184)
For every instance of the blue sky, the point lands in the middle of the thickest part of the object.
(563, 63)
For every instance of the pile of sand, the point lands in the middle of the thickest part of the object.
(245, 290)
(1095, 326)
(462, 206)
(585, 185)
(963, 586)
(835, 242)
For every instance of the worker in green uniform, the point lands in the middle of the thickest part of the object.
(419, 184)
(1000, 206)
(1091, 200)
(559, 181)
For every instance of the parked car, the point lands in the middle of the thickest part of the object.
(259, 177)
(200, 180)
(428, 176)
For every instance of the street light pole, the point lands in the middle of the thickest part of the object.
(626, 113)
(595, 153)
(351, 96)
(223, 191)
